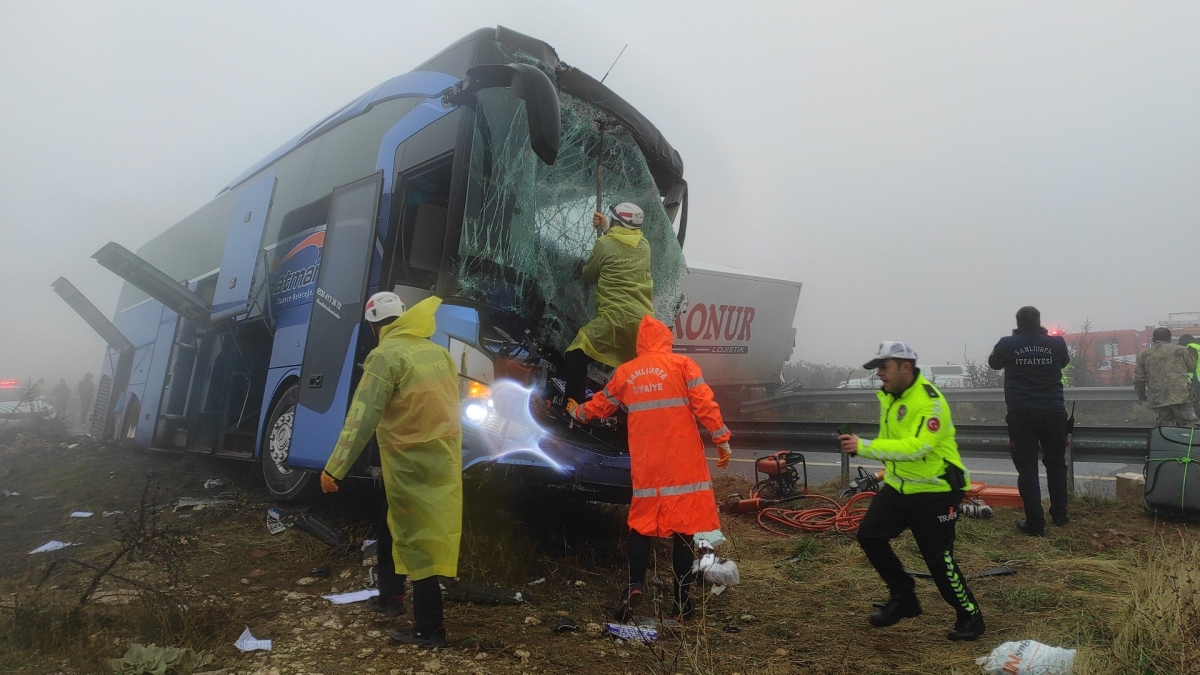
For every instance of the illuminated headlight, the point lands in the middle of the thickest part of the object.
(475, 411)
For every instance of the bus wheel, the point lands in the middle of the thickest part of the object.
(285, 483)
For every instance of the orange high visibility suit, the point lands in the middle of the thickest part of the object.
(664, 393)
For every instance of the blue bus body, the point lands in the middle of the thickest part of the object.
(371, 198)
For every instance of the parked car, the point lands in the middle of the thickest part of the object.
(16, 404)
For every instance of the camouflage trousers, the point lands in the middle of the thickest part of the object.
(1179, 415)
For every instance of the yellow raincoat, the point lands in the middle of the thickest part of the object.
(620, 268)
(408, 398)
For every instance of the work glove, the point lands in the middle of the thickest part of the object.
(328, 483)
(723, 455)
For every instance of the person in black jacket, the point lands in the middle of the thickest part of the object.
(1037, 415)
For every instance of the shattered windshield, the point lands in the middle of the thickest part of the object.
(527, 228)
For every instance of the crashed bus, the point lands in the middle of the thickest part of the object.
(239, 331)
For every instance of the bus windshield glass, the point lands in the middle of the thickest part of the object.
(527, 227)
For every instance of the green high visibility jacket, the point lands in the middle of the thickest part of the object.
(408, 398)
(1193, 376)
(916, 441)
(620, 268)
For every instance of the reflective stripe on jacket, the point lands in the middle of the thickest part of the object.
(916, 441)
(664, 393)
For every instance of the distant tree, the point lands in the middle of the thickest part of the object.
(1083, 370)
(979, 375)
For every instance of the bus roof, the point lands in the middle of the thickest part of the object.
(666, 166)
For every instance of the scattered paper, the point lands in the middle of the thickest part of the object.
(197, 504)
(353, 596)
(81, 514)
(11, 494)
(248, 643)
(366, 543)
(106, 514)
(718, 589)
(535, 583)
(72, 446)
(52, 545)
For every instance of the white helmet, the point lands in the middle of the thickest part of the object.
(384, 305)
(629, 215)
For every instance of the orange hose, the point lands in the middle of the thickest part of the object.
(843, 518)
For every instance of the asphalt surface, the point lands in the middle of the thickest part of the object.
(1090, 477)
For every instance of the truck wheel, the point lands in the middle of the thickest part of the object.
(285, 483)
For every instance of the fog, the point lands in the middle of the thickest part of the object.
(924, 168)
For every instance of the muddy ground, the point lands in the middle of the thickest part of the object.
(202, 576)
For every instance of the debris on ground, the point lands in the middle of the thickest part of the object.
(275, 523)
(627, 632)
(462, 591)
(81, 514)
(323, 531)
(352, 596)
(320, 572)
(1027, 657)
(246, 642)
(306, 581)
(536, 582)
(214, 483)
(152, 660)
(10, 494)
(107, 514)
(52, 545)
(200, 503)
(565, 624)
(43, 497)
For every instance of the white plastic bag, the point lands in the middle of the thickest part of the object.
(714, 570)
(1028, 657)
(714, 539)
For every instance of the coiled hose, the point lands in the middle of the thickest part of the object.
(843, 518)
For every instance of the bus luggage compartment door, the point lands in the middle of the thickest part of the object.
(327, 371)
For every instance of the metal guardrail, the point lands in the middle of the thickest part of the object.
(1072, 394)
(1118, 445)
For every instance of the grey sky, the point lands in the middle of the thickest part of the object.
(924, 169)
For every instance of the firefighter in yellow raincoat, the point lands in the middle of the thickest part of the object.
(620, 268)
(408, 398)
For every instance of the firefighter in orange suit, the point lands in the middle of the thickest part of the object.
(664, 394)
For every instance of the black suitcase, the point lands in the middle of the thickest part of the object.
(1172, 483)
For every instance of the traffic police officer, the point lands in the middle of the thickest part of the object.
(924, 480)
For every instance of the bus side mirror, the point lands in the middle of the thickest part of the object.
(530, 85)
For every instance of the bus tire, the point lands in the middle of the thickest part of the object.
(283, 482)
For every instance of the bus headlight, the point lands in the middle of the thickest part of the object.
(476, 411)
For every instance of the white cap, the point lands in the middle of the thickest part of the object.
(890, 349)
(629, 215)
(383, 305)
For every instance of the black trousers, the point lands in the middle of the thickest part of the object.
(1027, 430)
(577, 375)
(427, 593)
(682, 558)
(931, 518)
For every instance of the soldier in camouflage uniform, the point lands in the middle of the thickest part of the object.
(1162, 379)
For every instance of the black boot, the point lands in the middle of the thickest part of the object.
(430, 639)
(1031, 530)
(624, 610)
(967, 628)
(393, 606)
(895, 609)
